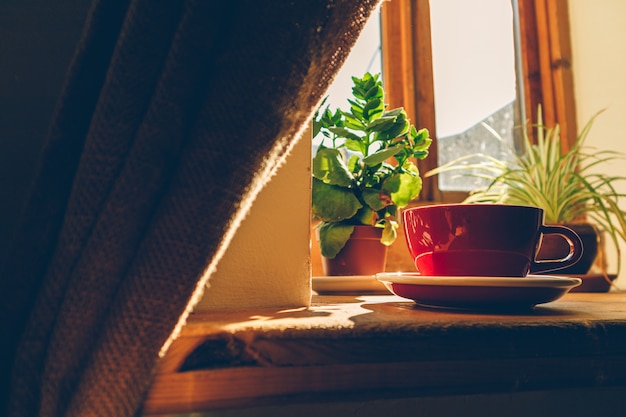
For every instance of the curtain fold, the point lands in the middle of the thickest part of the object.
(174, 115)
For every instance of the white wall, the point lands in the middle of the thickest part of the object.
(598, 37)
(268, 262)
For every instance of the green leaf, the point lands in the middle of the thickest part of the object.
(355, 105)
(365, 216)
(420, 154)
(373, 107)
(317, 127)
(381, 124)
(376, 91)
(329, 167)
(353, 163)
(354, 145)
(390, 232)
(382, 155)
(404, 187)
(372, 198)
(422, 140)
(331, 203)
(353, 123)
(400, 126)
(333, 238)
(344, 133)
(395, 112)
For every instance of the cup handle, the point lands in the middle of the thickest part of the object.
(575, 250)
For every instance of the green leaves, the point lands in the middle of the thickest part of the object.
(344, 133)
(382, 155)
(398, 128)
(363, 171)
(374, 107)
(381, 124)
(331, 203)
(390, 232)
(375, 200)
(404, 186)
(329, 167)
(421, 142)
(333, 237)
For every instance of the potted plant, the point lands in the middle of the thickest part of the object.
(363, 172)
(566, 185)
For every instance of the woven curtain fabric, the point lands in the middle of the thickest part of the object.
(173, 115)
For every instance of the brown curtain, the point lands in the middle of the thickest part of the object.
(173, 115)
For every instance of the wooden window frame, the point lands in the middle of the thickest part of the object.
(546, 65)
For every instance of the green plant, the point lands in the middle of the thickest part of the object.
(363, 169)
(566, 185)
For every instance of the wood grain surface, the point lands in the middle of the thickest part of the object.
(385, 346)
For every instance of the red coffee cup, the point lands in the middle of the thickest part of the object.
(483, 240)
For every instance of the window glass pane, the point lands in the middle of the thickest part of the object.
(364, 57)
(474, 81)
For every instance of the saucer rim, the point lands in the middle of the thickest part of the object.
(348, 284)
(529, 281)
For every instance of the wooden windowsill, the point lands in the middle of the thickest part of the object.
(385, 346)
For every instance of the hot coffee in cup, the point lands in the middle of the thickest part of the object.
(483, 240)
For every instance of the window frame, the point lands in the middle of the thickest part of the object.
(547, 79)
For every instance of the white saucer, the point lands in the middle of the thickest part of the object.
(465, 292)
(353, 284)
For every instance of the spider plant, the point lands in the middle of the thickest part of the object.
(566, 185)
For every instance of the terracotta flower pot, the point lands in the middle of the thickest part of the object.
(362, 255)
